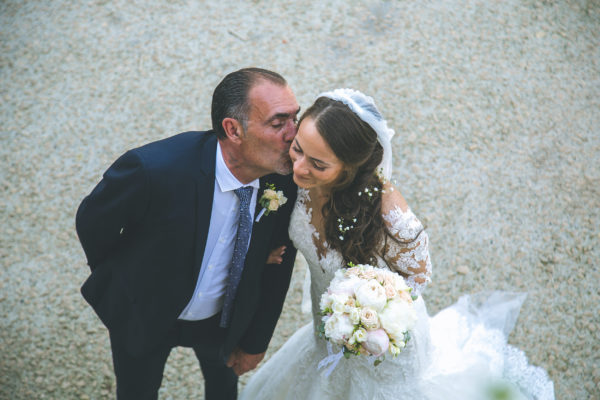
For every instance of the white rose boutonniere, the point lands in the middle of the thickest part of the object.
(270, 200)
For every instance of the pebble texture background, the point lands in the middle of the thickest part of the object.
(496, 105)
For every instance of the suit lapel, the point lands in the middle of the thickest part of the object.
(205, 186)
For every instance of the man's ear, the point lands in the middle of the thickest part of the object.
(233, 129)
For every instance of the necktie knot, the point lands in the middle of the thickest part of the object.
(244, 193)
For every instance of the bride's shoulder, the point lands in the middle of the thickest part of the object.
(392, 200)
(397, 213)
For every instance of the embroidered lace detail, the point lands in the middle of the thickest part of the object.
(409, 256)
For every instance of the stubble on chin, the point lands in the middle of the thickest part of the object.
(285, 166)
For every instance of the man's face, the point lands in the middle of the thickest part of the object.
(271, 128)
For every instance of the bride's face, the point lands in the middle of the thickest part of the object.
(315, 164)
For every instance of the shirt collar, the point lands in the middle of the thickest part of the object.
(225, 179)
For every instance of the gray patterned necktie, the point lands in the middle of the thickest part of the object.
(239, 252)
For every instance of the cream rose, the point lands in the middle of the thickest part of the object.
(369, 318)
(273, 205)
(270, 194)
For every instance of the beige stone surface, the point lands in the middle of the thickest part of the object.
(495, 105)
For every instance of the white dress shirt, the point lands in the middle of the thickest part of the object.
(212, 281)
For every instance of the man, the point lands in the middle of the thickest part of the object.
(177, 240)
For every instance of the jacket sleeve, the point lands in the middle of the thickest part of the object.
(275, 282)
(113, 207)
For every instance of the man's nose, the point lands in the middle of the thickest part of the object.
(290, 131)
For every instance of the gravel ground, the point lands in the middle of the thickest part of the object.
(497, 114)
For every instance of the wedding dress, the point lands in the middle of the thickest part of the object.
(460, 353)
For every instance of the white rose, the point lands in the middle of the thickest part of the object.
(398, 317)
(281, 198)
(338, 328)
(338, 303)
(353, 314)
(325, 302)
(371, 294)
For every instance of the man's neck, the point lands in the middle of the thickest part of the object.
(238, 167)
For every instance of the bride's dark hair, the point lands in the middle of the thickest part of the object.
(354, 143)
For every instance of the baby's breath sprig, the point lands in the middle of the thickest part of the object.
(384, 181)
(344, 228)
(370, 192)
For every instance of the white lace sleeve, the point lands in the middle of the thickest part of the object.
(410, 254)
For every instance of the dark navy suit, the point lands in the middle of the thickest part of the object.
(143, 229)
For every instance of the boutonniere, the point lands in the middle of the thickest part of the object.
(270, 200)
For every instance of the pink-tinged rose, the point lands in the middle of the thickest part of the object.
(354, 271)
(404, 295)
(390, 291)
(389, 279)
(377, 342)
(368, 274)
(371, 294)
(380, 276)
(369, 318)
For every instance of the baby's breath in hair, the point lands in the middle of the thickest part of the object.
(344, 228)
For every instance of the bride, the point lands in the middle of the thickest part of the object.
(347, 211)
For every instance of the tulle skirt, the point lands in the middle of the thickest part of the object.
(460, 353)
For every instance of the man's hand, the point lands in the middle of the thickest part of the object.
(242, 362)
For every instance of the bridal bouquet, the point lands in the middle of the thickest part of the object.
(368, 311)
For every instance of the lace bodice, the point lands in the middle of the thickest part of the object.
(409, 256)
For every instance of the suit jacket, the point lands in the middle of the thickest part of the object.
(143, 229)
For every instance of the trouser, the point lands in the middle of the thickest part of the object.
(140, 377)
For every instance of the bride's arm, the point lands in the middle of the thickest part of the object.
(409, 253)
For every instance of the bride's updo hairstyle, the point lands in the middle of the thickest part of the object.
(355, 143)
